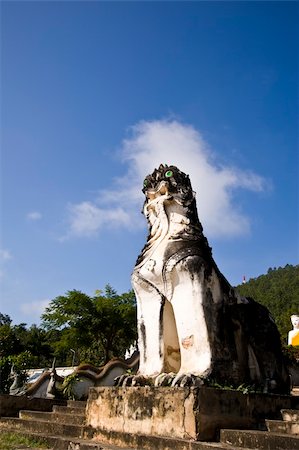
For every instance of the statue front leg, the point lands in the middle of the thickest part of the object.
(149, 322)
(187, 302)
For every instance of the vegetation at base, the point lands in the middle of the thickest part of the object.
(278, 290)
(229, 386)
(11, 441)
(76, 329)
(67, 387)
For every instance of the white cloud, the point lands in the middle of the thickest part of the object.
(170, 142)
(34, 215)
(35, 308)
(5, 255)
(87, 219)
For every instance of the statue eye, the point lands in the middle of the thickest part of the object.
(145, 183)
(169, 173)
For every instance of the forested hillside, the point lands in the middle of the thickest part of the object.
(278, 290)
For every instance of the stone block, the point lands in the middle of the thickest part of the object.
(195, 413)
(144, 410)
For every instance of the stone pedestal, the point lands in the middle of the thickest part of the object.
(144, 410)
(184, 413)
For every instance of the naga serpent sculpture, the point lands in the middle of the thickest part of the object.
(192, 325)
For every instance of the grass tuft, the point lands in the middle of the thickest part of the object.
(12, 441)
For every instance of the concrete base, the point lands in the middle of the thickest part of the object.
(184, 413)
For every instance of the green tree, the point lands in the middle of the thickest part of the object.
(36, 341)
(5, 319)
(23, 347)
(98, 328)
(9, 342)
(278, 290)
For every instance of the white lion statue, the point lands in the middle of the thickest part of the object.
(192, 325)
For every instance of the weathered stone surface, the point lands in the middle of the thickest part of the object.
(186, 413)
(47, 428)
(281, 426)
(10, 405)
(143, 410)
(60, 417)
(290, 414)
(191, 323)
(261, 440)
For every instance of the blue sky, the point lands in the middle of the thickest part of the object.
(94, 95)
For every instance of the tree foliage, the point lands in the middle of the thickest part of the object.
(98, 328)
(5, 319)
(95, 328)
(278, 290)
(24, 348)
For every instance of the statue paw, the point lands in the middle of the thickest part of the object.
(132, 380)
(118, 381)
(141, 380)
(164, 379)
(123, 380)
(187, 380)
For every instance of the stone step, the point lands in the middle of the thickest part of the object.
(291, 415)
(262, 440)
(230, 440)
(281, 426)
(152, 442)
(159, 443)
(68, 410)
(41, 426)
(77, 404)
(59, 430)
(70, 419)
(142, 442)
(66, 442)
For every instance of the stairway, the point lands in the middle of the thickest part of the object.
(280, 434)
(64, 429)
(61, 429)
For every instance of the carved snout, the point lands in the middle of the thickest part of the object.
(162, 189)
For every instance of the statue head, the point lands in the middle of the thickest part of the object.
(295, 321)
(168, 180)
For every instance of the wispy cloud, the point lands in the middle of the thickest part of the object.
(87, 218)
(171, 142)
(5, 255)
(34, 215)
(35, 308)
